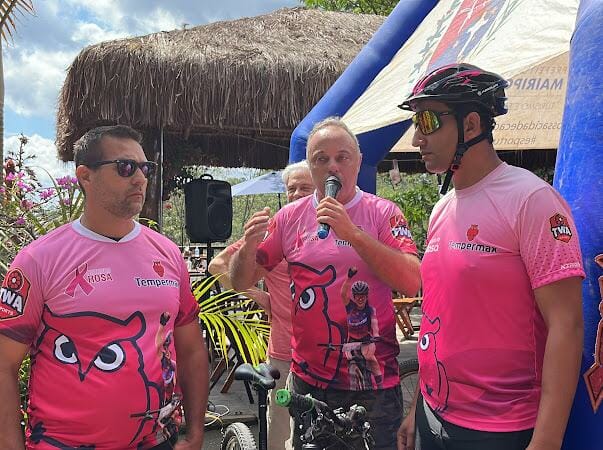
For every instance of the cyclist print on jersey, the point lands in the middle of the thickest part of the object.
(363, 332)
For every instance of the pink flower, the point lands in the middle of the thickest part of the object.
(74, 181)
(20, 221)
(26, 204)
(66, 202)
(64, 182)
(2, 189)
(10, 176)
(24, 186)
(46, 193)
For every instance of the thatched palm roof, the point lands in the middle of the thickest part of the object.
(228, 93)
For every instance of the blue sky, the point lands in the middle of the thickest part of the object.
(44, 46)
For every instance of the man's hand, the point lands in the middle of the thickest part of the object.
(333, 213)
(262, 298)
(406, 432)
(256, 227)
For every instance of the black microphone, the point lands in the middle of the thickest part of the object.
(332, 187)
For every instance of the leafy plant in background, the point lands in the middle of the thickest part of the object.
(230, 318)
(30, 210)
(381, 7)
(415, 195)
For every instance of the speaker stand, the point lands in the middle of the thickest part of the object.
(209, 256)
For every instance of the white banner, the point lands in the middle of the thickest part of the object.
(535, 101)
(508, 37)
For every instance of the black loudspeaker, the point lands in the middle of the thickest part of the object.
(208, 205)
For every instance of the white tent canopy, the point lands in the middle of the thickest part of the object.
(508, 37)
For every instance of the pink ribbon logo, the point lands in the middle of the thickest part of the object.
(80, 281)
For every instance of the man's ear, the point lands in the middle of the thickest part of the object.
(83, 175)
(473, 125)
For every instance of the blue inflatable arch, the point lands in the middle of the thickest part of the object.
(579, 178)
(379, 51)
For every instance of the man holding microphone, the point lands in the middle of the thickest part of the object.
(365, 232)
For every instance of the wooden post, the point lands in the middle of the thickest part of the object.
(152, 210)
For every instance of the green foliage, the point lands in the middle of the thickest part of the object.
(229, 317)
(379, 7)
(23, 380)
(415, 195)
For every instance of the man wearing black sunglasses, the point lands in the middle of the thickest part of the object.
(501, 334)
(103, 307)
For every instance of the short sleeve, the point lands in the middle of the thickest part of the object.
(270, 251)
(548, 240)
(22, 299)
(393, 228)
(189, 309)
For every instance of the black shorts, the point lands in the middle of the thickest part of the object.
(437, 434)
(384, 408)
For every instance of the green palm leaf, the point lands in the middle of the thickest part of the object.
(8, 15)
(231, 320)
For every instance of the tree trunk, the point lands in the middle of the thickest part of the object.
(1, 117)
(151, 210)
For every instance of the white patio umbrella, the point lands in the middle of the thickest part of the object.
(269, 183)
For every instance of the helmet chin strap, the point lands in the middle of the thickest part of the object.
(461, 148)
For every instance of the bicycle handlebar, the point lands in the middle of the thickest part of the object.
(262, 376)
(306, 403)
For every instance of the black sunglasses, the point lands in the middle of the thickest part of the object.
(429, 121)
(127, 167)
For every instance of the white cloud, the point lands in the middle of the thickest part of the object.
(109, 12)
(88, 33)
(46, 161)
(33, 80)
(160, 20)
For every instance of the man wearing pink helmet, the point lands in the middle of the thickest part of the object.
(501, 333)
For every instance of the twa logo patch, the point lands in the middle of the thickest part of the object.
(13, 294)
(560, 228)
(399, 227)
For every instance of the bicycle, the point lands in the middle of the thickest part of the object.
(361, 376)
(409, 377)
(327, 428)
(238, 436)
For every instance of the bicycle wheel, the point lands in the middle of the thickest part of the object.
(409, 377)
(238, 436)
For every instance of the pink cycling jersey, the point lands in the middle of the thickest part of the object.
(482, 336)
(279, 287)
(318, 269)
(99, 317)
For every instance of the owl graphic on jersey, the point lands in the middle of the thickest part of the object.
(91, 361)
(323, 343)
